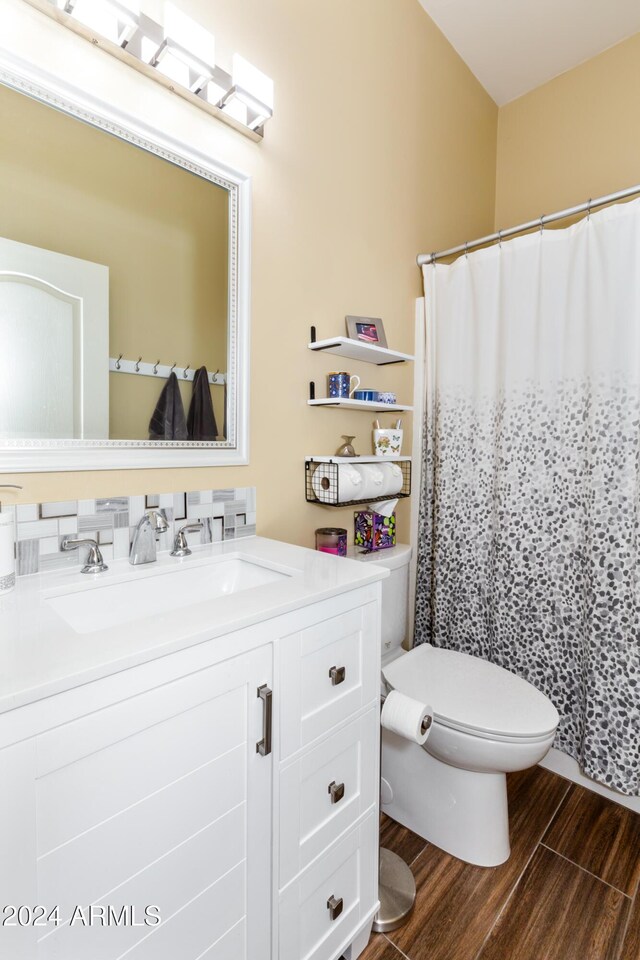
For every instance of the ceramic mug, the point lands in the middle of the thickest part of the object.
(366, 394)
(340, 386)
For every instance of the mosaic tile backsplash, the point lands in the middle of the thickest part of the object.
(41, 527)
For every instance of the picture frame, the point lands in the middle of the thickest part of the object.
(366, 330)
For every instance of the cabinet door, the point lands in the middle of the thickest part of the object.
(160, 801)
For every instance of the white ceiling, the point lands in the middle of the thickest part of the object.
(513, 46)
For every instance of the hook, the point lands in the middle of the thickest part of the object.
(155, 367)
(173, 366)
(184, 374)
(138, 365)
(118, 362)
(214, 378)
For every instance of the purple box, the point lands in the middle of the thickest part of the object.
(373, 531)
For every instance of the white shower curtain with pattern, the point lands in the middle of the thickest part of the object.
(529, 546)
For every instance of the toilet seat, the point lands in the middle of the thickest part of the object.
(472, 695)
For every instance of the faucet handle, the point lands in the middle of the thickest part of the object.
(180, 545)
(95, 562)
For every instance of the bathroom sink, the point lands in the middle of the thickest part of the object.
(97, 606)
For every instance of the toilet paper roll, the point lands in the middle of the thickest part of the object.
(392, 479)
(406, 717)
(7, 557)
(372, 481)
(337, 483)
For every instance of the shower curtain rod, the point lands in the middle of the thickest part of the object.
(425, 258)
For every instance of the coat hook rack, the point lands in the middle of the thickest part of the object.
(159, 370)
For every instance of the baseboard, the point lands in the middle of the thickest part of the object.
(567, 767)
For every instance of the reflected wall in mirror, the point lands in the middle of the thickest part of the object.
(107, 250)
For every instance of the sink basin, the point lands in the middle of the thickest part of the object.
(111, 604)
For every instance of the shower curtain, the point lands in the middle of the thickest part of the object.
(529, 540)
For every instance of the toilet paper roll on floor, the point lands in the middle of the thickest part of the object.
(407, 717)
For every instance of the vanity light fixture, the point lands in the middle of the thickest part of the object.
(178, 52)
(187, 51)
(250, 99)
(115, 20)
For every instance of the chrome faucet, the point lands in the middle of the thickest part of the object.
(95, 562)
(143, 545)
(180, 545)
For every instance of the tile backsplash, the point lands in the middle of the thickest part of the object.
(41, 527)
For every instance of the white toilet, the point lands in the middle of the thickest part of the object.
(487, 722)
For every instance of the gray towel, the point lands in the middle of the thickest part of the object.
(168, 422)
(201, 422)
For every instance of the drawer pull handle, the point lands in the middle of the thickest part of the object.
(337, 675)
(336, 791)
(334, 907)
(263, 747)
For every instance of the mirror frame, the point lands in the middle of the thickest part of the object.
(22, 456)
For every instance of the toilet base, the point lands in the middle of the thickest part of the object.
(463, 812)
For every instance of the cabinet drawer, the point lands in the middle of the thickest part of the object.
(324, 792)
(346, 877)
(328, 672)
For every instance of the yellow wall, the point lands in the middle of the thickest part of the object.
(160, 230)
(576, 137)
(382, 146)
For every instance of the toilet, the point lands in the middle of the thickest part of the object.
(486, 722)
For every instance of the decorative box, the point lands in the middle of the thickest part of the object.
(374, 531)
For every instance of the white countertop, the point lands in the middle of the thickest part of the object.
(41, 655)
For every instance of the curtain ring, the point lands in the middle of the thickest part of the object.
(118, 362)
(466, 249)
(589, 201)
(184, 373)
(138, 365)
(541, 223)
(500, 239)
(155, 368)
(433, 259)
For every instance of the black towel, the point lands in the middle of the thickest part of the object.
(201, 422)
(167, 422)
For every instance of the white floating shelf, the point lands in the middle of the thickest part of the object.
(335, 459)
(360, 405)
(357, 350)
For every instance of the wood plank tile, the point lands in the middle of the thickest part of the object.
(599, 835)
(631, 944)
(380, 949)
(559, 912)
(457, 904)
(400, 840)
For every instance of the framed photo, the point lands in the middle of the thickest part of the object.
(367, 330)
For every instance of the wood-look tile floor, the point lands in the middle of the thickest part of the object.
(569, 891)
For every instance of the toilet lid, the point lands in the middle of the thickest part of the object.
(468, 693)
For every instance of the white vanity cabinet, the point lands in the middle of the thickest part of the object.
(152, 792)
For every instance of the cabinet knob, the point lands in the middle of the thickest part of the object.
(336, 791)
(334, 907)
(337, 675)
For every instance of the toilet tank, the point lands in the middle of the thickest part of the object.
(395, 594)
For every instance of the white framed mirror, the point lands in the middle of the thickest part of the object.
(124, 270)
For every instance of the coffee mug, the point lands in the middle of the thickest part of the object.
(341, 386)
